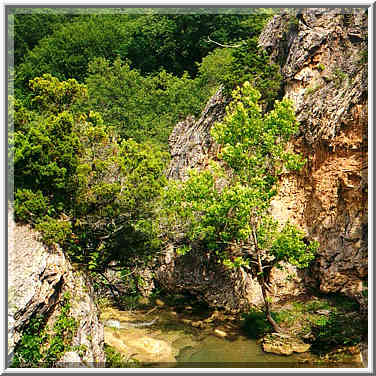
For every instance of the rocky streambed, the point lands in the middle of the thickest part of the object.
(187, 337)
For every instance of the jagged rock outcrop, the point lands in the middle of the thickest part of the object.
(323, 63)
(37, 280)
(190, 141)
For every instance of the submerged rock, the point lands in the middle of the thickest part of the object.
(134, 344)
(220, 333)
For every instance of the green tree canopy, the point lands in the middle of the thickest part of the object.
(30, 28)
(150, 41)
(77, 181)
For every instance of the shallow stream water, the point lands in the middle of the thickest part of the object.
(189, 346)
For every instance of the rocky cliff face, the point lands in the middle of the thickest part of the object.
(325, 75)
(37, 280)
(323, 63)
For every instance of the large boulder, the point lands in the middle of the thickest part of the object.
(282, 344)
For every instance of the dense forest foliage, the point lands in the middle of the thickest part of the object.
(95, 99)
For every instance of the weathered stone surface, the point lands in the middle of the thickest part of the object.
(283, 344)
(38, 278)
(211, 282)
(71, 360)
(154, 349)
(327, 82)
(190, 141)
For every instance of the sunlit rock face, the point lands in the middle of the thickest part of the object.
(325, 75)
(38, 278)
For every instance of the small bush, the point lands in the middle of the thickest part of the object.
(27, 352)
(114, 359)
(293, 23)
(339, 77)
(38, 348)
(54, 230)
(29, 205)
(363, 57)
(255, 324)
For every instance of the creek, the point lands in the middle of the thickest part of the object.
(192, 338)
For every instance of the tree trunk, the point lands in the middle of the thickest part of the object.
(267, 307)
(261, 280)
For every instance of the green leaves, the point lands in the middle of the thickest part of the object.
(54, 230)
(117, 182)
(152, 42)
(45, 156)
(251, 63)
(29, 204)
(253, 144)
(27, 352)
(53, 95)
(289, 245)
(142, 108)
(41, 347)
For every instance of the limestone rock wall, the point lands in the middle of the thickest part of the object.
(325, 75)
(37, 279)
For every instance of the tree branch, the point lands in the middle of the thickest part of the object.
(223, 45)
